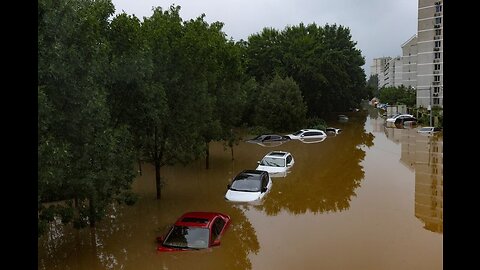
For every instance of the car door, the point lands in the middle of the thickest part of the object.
(217, 229)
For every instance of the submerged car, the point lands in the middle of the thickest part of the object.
(307, 133)
(406, 120)
(269, 140)
(276, 162)
(249, 186)
(332, 130)
(428, 130)
(393, 118)
(342, 118)
(194, 231)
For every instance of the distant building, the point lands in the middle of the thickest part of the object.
(392, 73)
(430, 53)
(409, 58)
(378, 68)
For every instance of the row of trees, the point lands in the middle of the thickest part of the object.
(398, 95)
(115, 89)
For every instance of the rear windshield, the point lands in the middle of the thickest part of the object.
(273, 162)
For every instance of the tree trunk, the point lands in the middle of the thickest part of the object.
(157, 179)
(231, 151)
(140, 167)
(207, 158)
(92, 212)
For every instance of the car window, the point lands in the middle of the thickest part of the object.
(289, 159)
(217, 228)
(264, 181)
(298, 132)
(276, 137)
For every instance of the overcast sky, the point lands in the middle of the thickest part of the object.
(379, 27)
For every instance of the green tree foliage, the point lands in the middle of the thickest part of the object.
(81, 156)
(322, 60)
(280, 106)
(398, 95)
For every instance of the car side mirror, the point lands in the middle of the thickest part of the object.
(216, 242)
(160, 239)
(229, 185)
(264, 189)
(258, 162)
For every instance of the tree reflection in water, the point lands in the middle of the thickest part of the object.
(126, 239)
(325, 175)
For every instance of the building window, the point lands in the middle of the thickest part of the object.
(438, 8)
(438, 32)
(438, 43)
(436, 89)
(438, 20)
(436, 78)
(437, 55)
(436, 101)
(437, 66)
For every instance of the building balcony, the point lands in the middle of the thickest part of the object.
(436, 72)
(437, 37)
(437, 26)
(436, 60)
(436, 14)
(436, 48)
(436, 82)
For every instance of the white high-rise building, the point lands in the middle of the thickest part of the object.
(430, 53)
(409, 58)
(378, 68)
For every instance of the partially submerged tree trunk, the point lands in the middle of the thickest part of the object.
(157, 179)
(207, 156)
(91, 212)
(140, 167)
(157, 167)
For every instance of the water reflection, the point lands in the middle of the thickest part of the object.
(325, 174)
(424, 155)
(126, 238)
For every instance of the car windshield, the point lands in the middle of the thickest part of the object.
(258, 138)
(187, 237)
(273, 162)
(298, 132)
(246, 184)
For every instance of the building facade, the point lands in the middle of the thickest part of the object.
(430, 53)
(378, 68)
(409, 58)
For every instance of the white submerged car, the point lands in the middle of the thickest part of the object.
(308, 134)
(276, 163)
(394, 117)
(249, 186)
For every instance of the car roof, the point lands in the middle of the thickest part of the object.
(252, 174)
(277, 154)
(197, 219)
(310, 129)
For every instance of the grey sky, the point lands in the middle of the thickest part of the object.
(378, 26)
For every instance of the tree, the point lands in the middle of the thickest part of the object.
(398, 95)
(82, 158)
(172, 134)
(280, 106)
(323, 61)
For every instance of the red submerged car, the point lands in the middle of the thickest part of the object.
(193, 231)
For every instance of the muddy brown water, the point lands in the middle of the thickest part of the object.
(368, 198)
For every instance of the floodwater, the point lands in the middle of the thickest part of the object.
(368, 198)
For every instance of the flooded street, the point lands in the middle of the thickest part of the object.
(368, 198)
